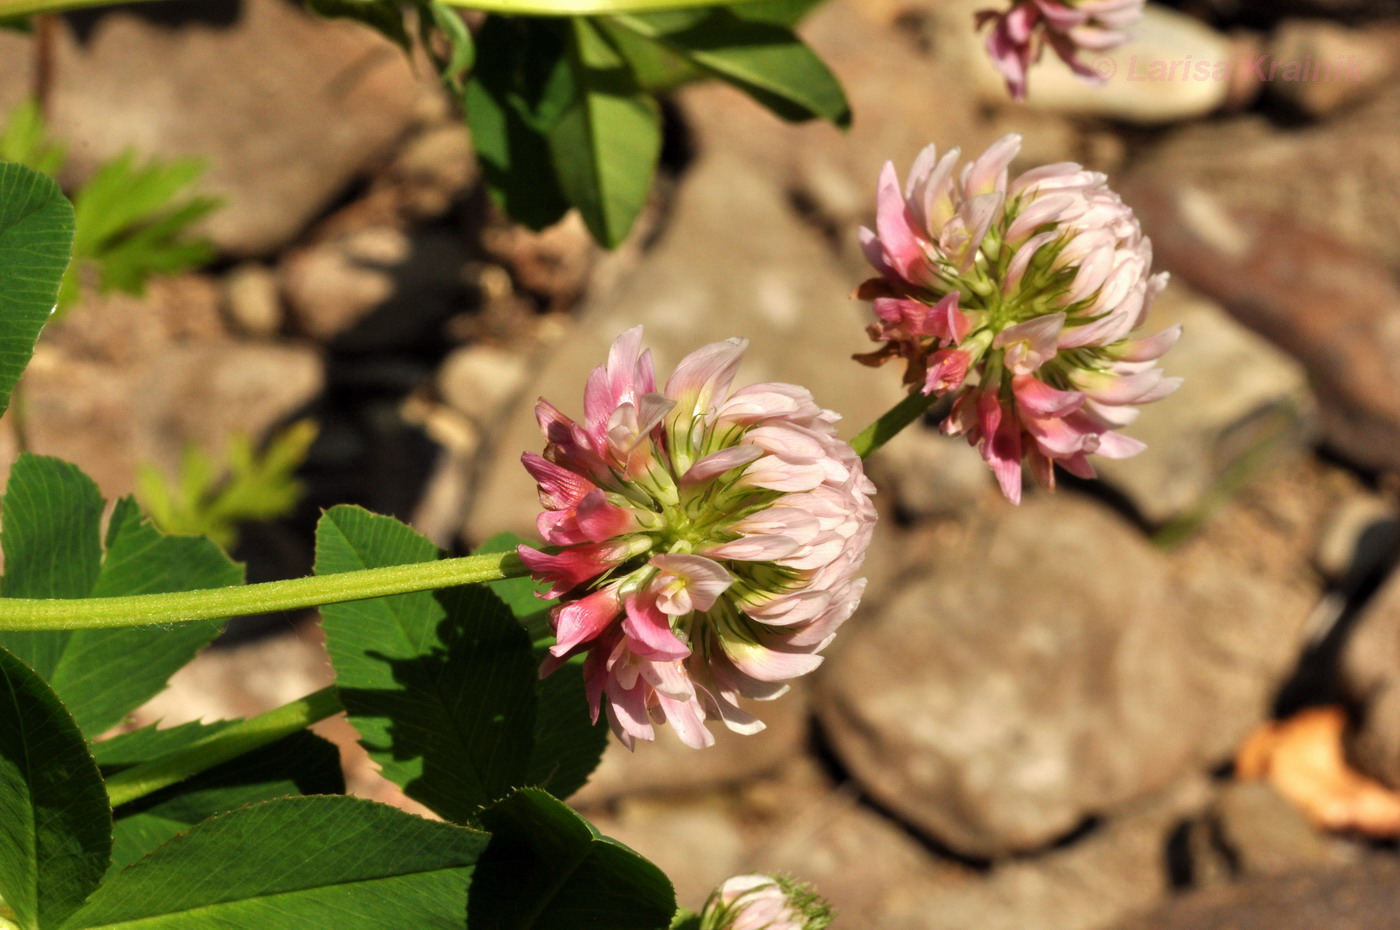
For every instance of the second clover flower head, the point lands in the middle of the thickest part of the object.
(1068, 26)
(1019, 298)
(703, 542)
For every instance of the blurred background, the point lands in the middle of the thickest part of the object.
(1168, 699)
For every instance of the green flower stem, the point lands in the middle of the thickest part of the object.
(891, 422)
(17, 613)
(243, 737)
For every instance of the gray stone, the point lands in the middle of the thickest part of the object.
(1024, 688)
(1370, 667)
(1361, 533)
(1340, 177)
(1357, 898)
(667, 765)
(1115, 870)
(1263, 834)
(480, 381)
(285, 107)
(931, 475)
(750, 268)
(375, 286)
(1239, 397)
(251, 300)
(1347, 65)
(122, 381)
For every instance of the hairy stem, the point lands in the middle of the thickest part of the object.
(891, 422)
(239, 739)
(17, 613)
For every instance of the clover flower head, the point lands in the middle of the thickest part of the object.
(703, 542)
(1018, 34)
(764, 902)
(1018, 298)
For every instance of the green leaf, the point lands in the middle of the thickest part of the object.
(607, 141)
(383, 16)
(461, 48)
(52, 539)
(753, 51)
(300, 764)
(567, 746)
(55, 825)
(440, 685)
(211, 498)
(520, 84)
(36, 235)
(546, 868)
(133, 222)
(25, 140)
(304, 863)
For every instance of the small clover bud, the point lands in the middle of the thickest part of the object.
(764, 902)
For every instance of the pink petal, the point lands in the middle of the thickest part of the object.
(704, 579)
(582, 620)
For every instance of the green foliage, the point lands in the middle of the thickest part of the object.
(133, 222)
(55, 825)
(25, 140)
(53, 543)
(320, 863)
(561, 873)
(439, 685)
(750, 49)
(606, 142)
(132, 219)
(520, 85)
(567, 747)
(212, 499)
(300, 764)
(443, 687)
(36, 232)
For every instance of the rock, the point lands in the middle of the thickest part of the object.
(1360, 535)
(1347, 64)
(1375, 746)
(434, 169)
(1370, 671)
(1023, 689)
(123, 381)
(1340, 177)
(251, 300)
(1174, 68)
(929, 474)
(832, 174)
(1239, 398)
(376, 286)
(1370, 660)
(696, 843)
(285, 107)
(750, 268)
(1357, 898)
(791, 821)
(670, 766)
(1113, 871)
(1262, 834)
(1326, 303)
(482, 380)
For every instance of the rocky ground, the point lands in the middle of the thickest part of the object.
(1034, 720)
